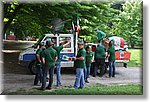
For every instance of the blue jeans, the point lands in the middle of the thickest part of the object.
(79, 82)
(88, 71)
(112, 68)
(58, 73)
(47, 70)
(85, 73)
(38, 76)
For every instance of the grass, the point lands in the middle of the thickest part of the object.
(94, 90)
(135, 58)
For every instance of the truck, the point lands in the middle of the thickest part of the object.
(27, 57)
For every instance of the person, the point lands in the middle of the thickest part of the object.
(58, 65)
(38, 76)
(111, 58)
(85, 44)
(80, 64)
(89, 60)
(49, 58)
(100, 35)
(99, 59)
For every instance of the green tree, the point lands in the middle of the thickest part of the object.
(129, 23)
(35, 19)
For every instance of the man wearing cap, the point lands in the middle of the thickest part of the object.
(80, 64)
(38, 76)
(58, 65)
(49, 58)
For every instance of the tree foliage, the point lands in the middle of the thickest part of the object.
(129, 24)
(123, 19)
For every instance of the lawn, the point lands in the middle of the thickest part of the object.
(94, 90)
(135, 58)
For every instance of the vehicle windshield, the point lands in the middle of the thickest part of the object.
(40, 39)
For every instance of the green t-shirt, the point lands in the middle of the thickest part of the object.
(58, 49)
(100, 35)
(39, 52)
(80, 63)
(111, 51)
(49, 54)
(100, 52)
(89, 56)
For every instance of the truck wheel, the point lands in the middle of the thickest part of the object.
(32, 67)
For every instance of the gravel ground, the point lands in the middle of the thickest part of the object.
(13, 82)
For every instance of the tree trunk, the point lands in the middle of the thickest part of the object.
(12, 16)
(132, 46)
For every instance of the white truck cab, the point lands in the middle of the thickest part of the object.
(28, 57)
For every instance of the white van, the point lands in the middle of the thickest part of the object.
(27, 58)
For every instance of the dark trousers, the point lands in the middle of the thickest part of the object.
(39, 75)
(93, 68)
(49, 70)
(99, 64)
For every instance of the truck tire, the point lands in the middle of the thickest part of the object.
(32, 67)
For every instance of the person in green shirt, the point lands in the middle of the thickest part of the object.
(38, 76)
(111, 58)
(100, 35)
(100, 59)
(58, 62)
(85, 44)
(49, 58)
(80, 65)
(89, 60)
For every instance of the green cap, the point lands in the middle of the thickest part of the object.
(80, 42)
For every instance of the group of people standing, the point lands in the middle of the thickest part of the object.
(48, 58)
(85, 57)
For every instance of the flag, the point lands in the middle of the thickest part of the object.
(73, 28)
(66, 58)
(78, 25)
(75, 24)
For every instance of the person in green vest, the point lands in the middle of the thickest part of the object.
(38, 76)
(58, 62)
(100, 59)
(89, 60)
(111, 58)
(49, 57)
(100, 35)
(80, 65)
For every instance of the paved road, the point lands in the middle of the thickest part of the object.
(16, 77)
